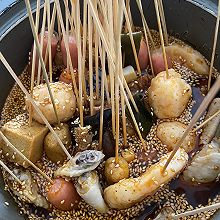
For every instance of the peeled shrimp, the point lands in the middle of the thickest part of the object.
(128, 192)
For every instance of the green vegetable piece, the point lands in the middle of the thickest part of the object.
(127, 51)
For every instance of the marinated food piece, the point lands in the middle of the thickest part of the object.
(205, 166)
(83, 137)
(143, 55)
(66, 77)
(158, 61)
(115, 172)
(187, 56)
(169, 97)
(128, 192)
(170, 133)
(63, 195)
(65, 102)
(51, 146)
(82, 162)
(29, 192)
(27, 139)
(90, 190)
(73, 51)
(128, 155)
(210, 128)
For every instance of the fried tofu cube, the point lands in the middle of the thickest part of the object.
(27, 139)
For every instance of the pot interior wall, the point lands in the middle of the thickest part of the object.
(184, 20)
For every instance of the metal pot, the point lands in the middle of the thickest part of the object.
(191, 20)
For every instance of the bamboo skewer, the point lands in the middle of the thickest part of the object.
(40, 57)
(33, 67)
(163, 21)
(90, 29)
(211, 94)
(161, 37)
(24, 157)
(67, 29)
(10, 172)
(145, 34)
(78, 37)
(196, 211)
(214, 47)
(49, 40)
(111, 73)
(206, 121)
(102, 55)
(41, 42)
(12, 73)
(131, 38)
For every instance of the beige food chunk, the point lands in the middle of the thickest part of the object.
(170, 133)
(64, 98)
(128, 155)
(51, 146)
(169, 97)
(28, 140)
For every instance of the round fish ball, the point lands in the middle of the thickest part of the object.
(169, 96)
(64, 98)
(51, 146)
(116, 172)
(170, 133)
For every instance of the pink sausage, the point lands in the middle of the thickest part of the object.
(143, 55)
(158, 61)
(73, 51)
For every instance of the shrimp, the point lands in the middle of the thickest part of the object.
(128, 192)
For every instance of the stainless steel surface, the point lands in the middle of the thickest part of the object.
(191, 20)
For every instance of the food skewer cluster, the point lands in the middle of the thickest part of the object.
(97, 43)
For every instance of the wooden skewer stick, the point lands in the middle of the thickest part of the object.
(59, 13)
(33, 67)
(102, 55)
(211, 94)
(40, 57)
(196, 211)
(163, 21)
(111, 73)
(118, 11)
(206, 121)
(214, 47)
(161, 37)
(78, 40)
(66, 2)
(17, 80)
(10, 172)
(24, 157)
(90, 29)
(131, 38)
(144, 22)
(49, 40)
(128, 9)
(41, 42)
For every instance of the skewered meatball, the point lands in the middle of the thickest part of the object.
(65, 102)
(169, 97)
